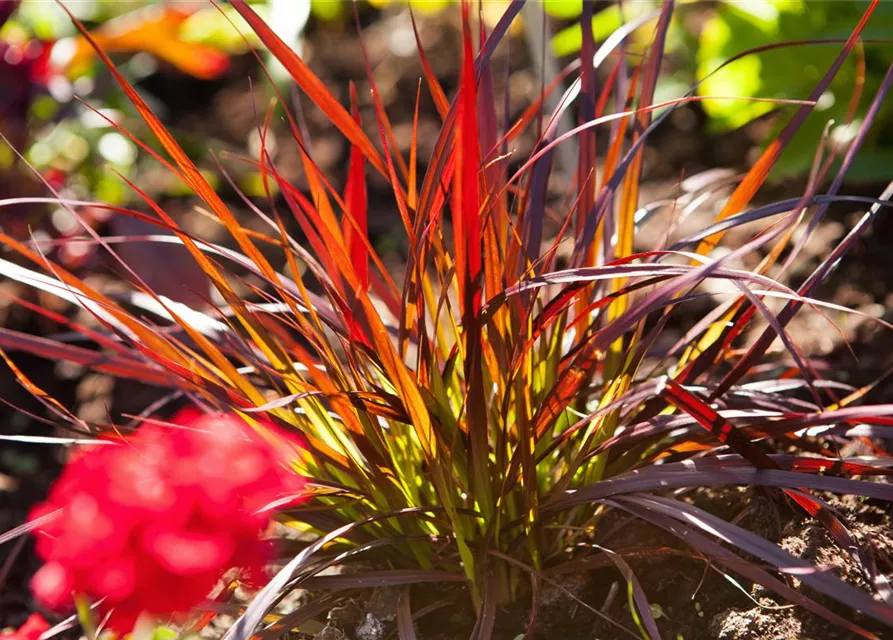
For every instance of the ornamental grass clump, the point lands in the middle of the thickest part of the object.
(475, 423)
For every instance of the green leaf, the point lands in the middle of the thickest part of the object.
(327, 10)
(783, 73)
(570, 39)
(563, 9)
(567, 41)
(429, 6)
(221, 27)
(164, 633)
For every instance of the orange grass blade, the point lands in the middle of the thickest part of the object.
(193, 178)
(440, 99)
(312, 85)
(412, 195)
(153, 344)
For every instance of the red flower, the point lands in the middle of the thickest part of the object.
(34, 626)
(151, 524)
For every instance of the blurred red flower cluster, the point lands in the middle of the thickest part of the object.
(33, 628)
(151, 524)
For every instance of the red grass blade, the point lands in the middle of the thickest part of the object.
(101, 362)
(468, 241)
(356, 202)
(465, 201)
(385, 578)
(708, 418)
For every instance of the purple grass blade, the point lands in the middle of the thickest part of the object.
(486, 622)
(29, 526)
(719, 554)
(758, 349)
(796, 353)
(769, 210)
(405, 628)
(319, 606)
(244, 626)
(769, 552)
(642, 603)
(498, 33)
(657, 479)
(387, 578)
(586, 166)
(532, 231)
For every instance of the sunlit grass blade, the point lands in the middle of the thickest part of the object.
(311, 85)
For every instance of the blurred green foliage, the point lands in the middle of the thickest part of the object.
(65, 138)
(730, 27)
(340, 9)
(696, 48)
(792, 72)
(569, 39)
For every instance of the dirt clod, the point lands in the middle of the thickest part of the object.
(346, 615)
(330, 633)
(734, 624)
(370, 629)
(383, 604)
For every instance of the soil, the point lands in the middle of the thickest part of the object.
(691, 601)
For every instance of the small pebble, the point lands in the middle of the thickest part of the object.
(370, 629)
